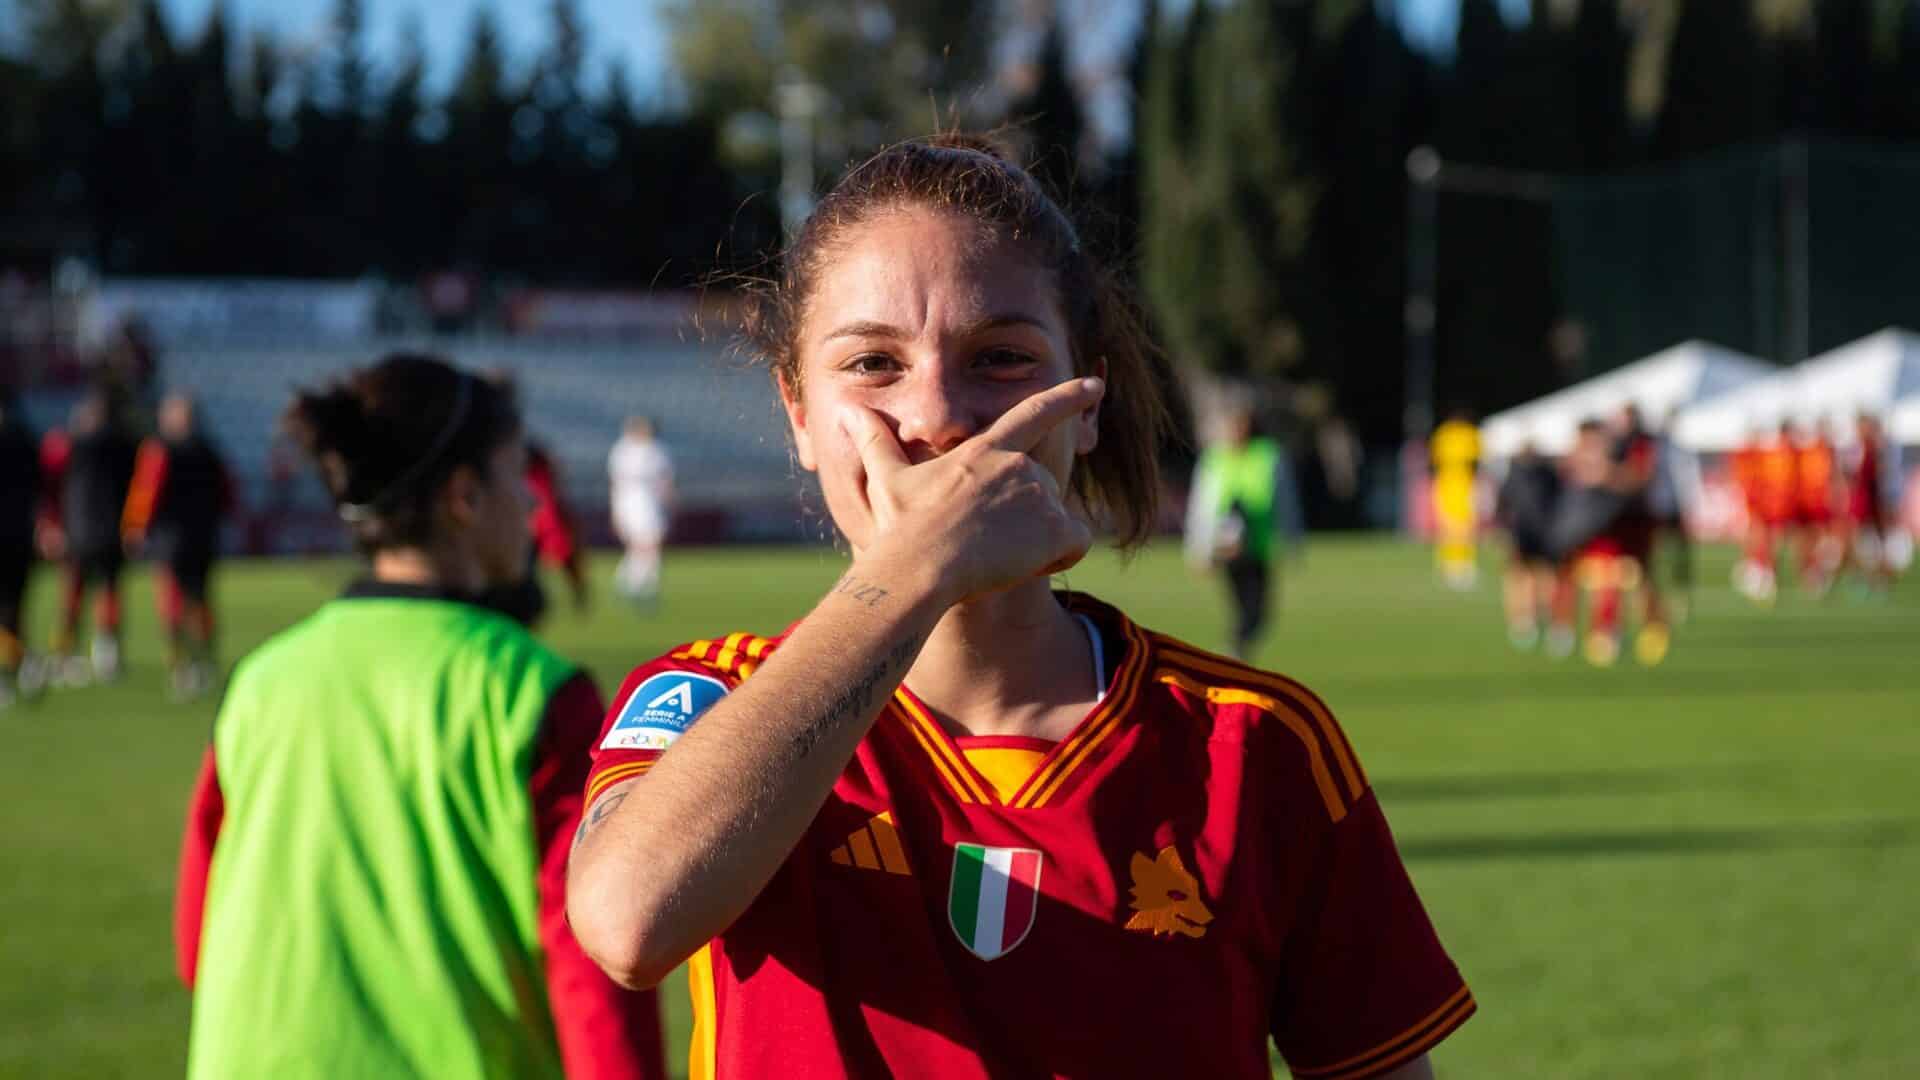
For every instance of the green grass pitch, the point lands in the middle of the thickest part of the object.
(1711, 868)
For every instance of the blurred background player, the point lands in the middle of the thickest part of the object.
(1585, 509)
(556, 532)
(1455, 451)
(554, 537)
(1674, 490)
(19, 494)
(1242, 506)
(641, 478)
(1862, 531)
(1815, 481)
(89, 467)
(1753, 572)
(1525, 507)
(1603, 535)
(1776, 491)
(1623, 554)
(181, 493)
(394, 781)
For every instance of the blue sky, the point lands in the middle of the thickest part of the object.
(631, 28)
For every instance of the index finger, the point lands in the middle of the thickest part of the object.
(1022, 427)
(876, 444)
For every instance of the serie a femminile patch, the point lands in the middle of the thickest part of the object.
(661, 709)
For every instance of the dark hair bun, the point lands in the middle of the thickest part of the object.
(386, 437)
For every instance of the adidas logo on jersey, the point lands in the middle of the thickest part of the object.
(874, 846)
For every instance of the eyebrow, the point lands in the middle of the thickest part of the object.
(871, 329)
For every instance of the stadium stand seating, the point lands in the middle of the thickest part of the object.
(718, 418)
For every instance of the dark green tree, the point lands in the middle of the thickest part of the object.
(1600, 49)
(1050, 120)
(1718, 89)
(1177, 212)
(919, 65)
(1472, 125)
(1900, 113)
(406, 166)
(1372, 100)
(477, 206)
(1844, 91)
(1229, 213)
(350, 83)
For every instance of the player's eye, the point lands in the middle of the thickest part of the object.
(1005, 363)
(871, 364)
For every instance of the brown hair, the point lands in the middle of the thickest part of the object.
(386, 438)
(970, 176)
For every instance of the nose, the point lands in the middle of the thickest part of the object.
(931, 416)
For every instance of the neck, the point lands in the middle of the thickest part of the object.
(429, 567)
(1010, 663)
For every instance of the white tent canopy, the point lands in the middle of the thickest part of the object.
(1878, 374)
(1903, 423)
(1673, 378)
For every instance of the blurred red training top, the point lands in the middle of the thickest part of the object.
(1200, 865)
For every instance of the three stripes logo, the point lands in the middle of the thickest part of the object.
(874, 846)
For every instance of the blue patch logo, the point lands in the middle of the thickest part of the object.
(661, 709)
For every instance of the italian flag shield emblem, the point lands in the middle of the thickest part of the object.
(993, 897)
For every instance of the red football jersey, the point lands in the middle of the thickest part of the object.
(1199, 867)
(1863, 487)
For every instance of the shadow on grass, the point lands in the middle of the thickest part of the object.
(1678, 841)
(1813, 636)
(1577, 682)
(1525, 785)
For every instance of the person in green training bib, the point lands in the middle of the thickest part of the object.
(1242, 503)
(373, 877)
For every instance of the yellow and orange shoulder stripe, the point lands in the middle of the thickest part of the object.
(1403, 1047)
(733, 658)
(1222, 681)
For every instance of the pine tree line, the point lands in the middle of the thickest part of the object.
(148, 150)
(1273, 138)
(1265, 188)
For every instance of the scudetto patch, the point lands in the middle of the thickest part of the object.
(661, 709)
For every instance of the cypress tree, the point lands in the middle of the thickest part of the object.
(1717, 92)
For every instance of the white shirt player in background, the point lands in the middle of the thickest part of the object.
(642, 484)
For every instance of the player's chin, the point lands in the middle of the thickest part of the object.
(1066, 562)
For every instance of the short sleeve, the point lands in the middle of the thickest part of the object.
(656, 704)
(1364, 985)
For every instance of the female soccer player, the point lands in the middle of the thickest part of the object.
(1241, 506)
(19, 500)
(373, 876)
(180, 494)
(953, 823)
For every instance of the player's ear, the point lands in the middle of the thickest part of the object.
(797, 421)
(460, 497)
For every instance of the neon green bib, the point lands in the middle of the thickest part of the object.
(1244, 478)
(372, 906)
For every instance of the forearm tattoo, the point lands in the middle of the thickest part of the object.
(858, 699)
(862, 590)
(601, 811)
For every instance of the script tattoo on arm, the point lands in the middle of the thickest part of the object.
(602, 810)
(866, 592)
(857, 700)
